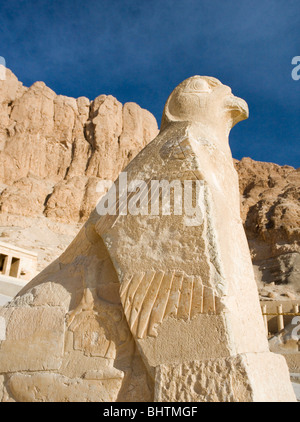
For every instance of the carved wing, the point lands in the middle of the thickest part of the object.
(150, 297)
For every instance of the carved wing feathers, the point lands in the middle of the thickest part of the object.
(150, 297)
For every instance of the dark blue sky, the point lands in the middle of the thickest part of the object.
(139, 50)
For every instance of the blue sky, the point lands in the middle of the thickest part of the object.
(139, 50)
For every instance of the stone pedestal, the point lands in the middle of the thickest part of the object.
(249, 377)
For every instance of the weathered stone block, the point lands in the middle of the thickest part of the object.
(34, 339)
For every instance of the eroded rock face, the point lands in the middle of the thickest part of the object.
(53, 148)
(270, 209)
(53, 151)
(143, 295)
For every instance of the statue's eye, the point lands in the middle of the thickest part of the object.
(197, 86)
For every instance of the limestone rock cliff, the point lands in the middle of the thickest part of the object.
(270, 209)
(54, 148)
(53, 151)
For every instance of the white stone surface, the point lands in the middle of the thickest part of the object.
(4, 299)
(296, 388)
(2, 328)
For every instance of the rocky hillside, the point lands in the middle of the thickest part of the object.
(270, 209)
(54, 149)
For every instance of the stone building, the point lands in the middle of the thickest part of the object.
(17, 267)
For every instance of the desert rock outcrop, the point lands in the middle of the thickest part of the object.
(53, 151)
(270, 209)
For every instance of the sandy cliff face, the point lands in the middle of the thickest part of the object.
(54, 149)
(270, 209)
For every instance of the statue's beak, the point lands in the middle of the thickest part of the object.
(237, 107)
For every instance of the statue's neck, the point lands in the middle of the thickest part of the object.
(217, 136)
